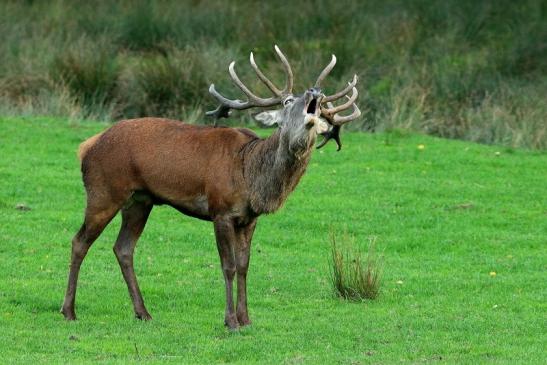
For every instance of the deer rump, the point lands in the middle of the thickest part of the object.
(191, 168)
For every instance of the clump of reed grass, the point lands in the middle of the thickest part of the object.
(355, 275)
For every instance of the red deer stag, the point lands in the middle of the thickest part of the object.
(228, 176)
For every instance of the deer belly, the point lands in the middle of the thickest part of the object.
(195, 206)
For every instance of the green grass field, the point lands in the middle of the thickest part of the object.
(446, 217)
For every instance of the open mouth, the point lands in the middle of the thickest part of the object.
(312, 106)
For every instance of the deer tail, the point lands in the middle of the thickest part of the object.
(87, 144)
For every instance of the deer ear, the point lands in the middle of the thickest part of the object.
(269, 118)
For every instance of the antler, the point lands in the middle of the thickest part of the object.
(332, 117)
(330, 113)
(223, 110)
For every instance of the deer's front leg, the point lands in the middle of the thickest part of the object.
(226, 238)
(242, 255)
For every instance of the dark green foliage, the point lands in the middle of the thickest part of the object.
(157, 88)
(142, 29)
(163, 84)
(90, 75)
(461, 69)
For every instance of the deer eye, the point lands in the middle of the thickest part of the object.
(288, 100)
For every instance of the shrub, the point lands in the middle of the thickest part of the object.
(142, 30)
(168, 85)
(354, 277)
(89, 71)
(18, 87)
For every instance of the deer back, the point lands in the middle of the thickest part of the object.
(183, 165)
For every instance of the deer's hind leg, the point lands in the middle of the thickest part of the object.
(134, 216)
(99, 212)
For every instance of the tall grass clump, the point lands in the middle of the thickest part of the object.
(90, 73)
(355, 275)
(154, 85)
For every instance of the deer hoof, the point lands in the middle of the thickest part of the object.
(243, 320)
(145, 316)
(231, 322)
(68, 314)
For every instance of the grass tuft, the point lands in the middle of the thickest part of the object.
(354, 276)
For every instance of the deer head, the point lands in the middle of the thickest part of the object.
(301, 116)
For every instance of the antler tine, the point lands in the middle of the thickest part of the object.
(256, 101)
(339, 119)
(334, 133)
(325, 72)
(343, 92)
(223, 110)
(262, 77)
(288, 71)
(351, 99)
(234, 104)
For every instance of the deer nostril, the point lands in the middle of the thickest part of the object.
(315, 92)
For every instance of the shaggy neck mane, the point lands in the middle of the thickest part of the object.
(272, 171)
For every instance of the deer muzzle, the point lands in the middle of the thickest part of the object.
(312, 104)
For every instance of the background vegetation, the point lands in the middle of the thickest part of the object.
(463, 69)
(462, 228)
